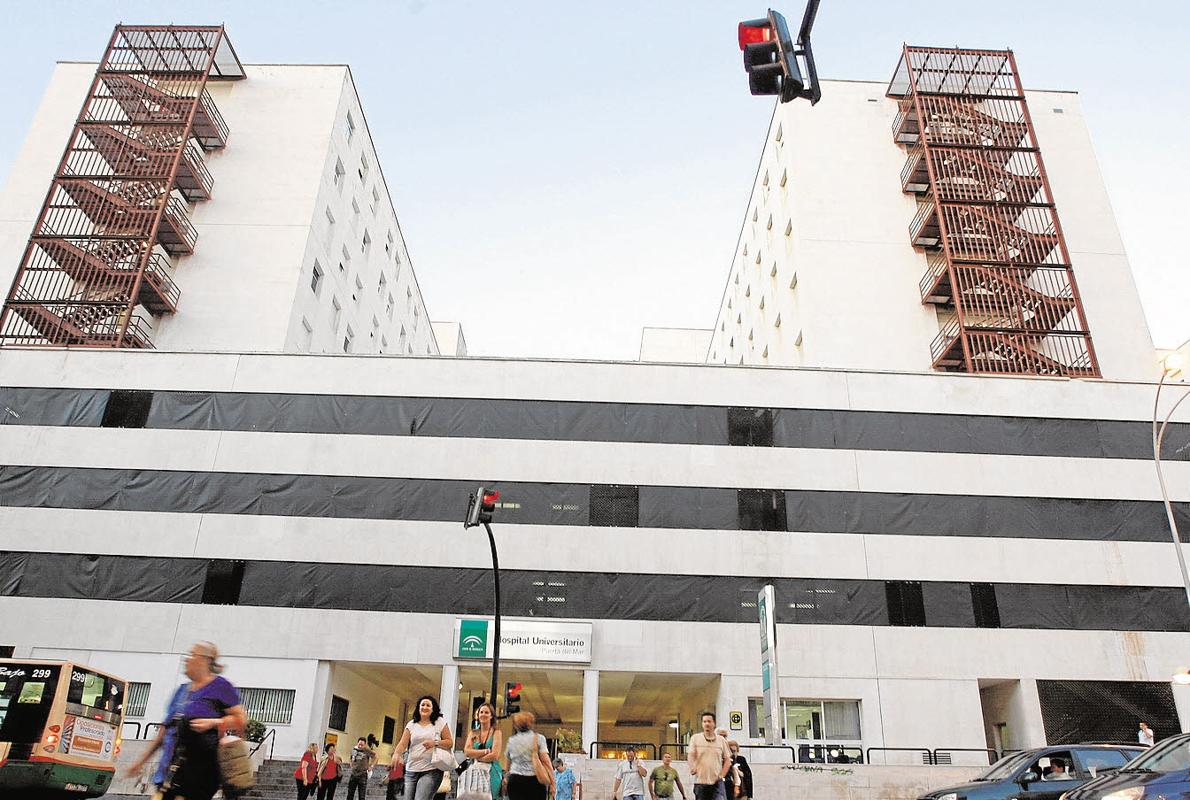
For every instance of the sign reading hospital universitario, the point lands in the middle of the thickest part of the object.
(524, 640)
(766, 603)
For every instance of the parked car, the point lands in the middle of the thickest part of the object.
(1044, 773)
(1160, 772)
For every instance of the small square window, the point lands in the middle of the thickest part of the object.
(789, 228)
(382, 284)
(906, 607)
(780, 133)
(127, 409)
(750, 427)
(316, 279)
(338, 718)
(773, 271)
(363, 168)
(366, 242)
(349, 127)
(336, 314)
(330, 218)
(223, 582)
(348, 338)
(987, 610)
(784, 177)
(401, 341)
(340, 173)
(307, 334)
(777, 322)
(346, 253)
(388, 307)
(761, 509)
(614, 506)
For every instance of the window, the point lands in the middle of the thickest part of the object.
(375, 200)
(307, 334)
(359, 290)
(366, 242)
(906, 608)
(983, 600)
(355, 207)
(761, 509)
(338, 720)
(137, 700)
(375, 327)
(789, 227)
(330, 220)
(383, 344)
(617, 506)
(270, 706)
(340, 173)
(127, 409)
(381, 284)
(336, 314)
(363, 168)
(822, 722)
(750, 427)
(388, 733)
(388, 243)
(349, 127)
(780, 133)
(348, 338)
(388, 306)
(346, 256)
(223, 582)
(316, 278)
(401, 341)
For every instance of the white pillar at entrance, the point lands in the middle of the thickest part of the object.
(590, 708)
(320, 704)
(448, 697)
(1181, 701)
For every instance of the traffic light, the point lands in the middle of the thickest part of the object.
(480, 507)
(771, 56)
(512, 698)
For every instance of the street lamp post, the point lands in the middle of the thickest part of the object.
(1171, 367)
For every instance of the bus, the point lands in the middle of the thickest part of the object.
(60, 726)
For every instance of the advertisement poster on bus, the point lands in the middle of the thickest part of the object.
(88, 738)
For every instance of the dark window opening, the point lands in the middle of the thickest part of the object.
(338, 720)
(1105, 711)
(750, 427)
(905, 604)
(127, 409)
(762, 510)
(224, 581)
(389, 732)
(617, 506)
(6, 650)
(983, 599)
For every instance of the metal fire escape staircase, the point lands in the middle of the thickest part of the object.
(995, 254)
(97, 264)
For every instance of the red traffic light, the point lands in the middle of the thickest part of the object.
(755, 31)
(491, 497)
(513, 692)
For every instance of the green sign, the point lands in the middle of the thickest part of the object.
(473, 638)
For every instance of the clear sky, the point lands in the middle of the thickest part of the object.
(568, 173)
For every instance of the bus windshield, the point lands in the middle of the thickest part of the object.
(97, 695)
(26, 694)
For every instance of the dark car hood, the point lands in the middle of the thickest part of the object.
(965, 789)
(1121, 780)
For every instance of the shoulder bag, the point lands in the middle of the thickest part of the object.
(475, 783)
(235, 766)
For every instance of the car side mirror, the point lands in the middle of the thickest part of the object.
(1027, 778)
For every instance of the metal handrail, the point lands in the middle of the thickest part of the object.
(271, 735)
(919, 219)
(197, 163)
(944, 339)
(916, 152)
(212, 112)
(132, 722)
(929, 754)
(176, 210)
(936, 264)
(993, 755)
(152, 725)
(826, 749)
(157, 269)
(638, 746)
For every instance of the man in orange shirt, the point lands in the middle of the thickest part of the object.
(709, 758)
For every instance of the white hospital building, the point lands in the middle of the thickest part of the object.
(923, 416)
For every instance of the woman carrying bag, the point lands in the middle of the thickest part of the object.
(530, 773)
(329, 773)
(429, 742)
(484, 744)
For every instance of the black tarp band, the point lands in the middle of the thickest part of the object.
(706, 508)
(582, 595)
(551, 420)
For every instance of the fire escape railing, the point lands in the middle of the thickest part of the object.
(97, 266)
(996, 257)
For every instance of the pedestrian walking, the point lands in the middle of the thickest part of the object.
(743, 771)
(1145, 735)
(485, 744)
(330, 772)
(306, 772)
(567, 784)
(362, 759)
(630, 774)
(204, 709)
(423, 734)
(530, 773)
(663, 779)
(709, 758)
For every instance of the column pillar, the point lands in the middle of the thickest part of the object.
(590, 708)
(320, 704)
(448, 696)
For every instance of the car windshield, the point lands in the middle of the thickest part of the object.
(1004, 768)
(1168, 756)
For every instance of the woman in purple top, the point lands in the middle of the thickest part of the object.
(211, 708)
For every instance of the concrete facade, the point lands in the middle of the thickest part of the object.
(299, 248)
(381, 659)
(824, 274)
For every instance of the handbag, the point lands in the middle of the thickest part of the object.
(443, 760)
(475, 783)
(235, 766)
(544, 776)
(444, 787)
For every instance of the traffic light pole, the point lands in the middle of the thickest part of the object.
(496, 591)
